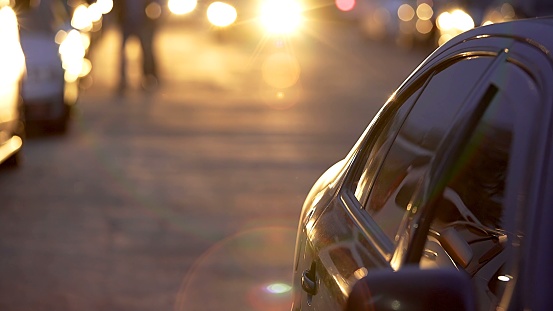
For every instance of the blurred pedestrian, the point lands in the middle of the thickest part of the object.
(139, 18)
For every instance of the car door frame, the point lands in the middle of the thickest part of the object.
(540, 68)
(346, 198)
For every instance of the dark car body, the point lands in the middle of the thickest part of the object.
(453, 174)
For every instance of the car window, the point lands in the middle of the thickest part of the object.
(387, 128)
(468, 230)
(419, 136)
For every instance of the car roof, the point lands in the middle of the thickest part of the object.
(532, 30)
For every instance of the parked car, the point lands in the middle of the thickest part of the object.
(12, 68)
(52, 50)
(444, 203)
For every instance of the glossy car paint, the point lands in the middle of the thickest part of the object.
(339, 243)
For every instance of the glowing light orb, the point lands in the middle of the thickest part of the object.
(278, 288)
(81, 18)
(281, 16)
(345, 5)
(504, 278)
(221, 14)
(180, 7)
(405, 12)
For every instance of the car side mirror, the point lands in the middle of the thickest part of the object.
(413, 289)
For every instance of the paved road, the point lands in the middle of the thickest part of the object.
(187, 198)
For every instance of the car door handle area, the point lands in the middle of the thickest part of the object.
(309, 280)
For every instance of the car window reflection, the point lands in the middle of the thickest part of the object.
(418, 139)
(468, 231)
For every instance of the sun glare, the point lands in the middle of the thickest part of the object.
(281, 16)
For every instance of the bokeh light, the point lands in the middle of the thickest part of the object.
(345, 5)
(12, 62)
(153, 10)
(8, 24)
(221, 14)
(81, 18)
(424, 26)
(247, 271)
(424, 11)
(180, 7)
(105, 5)
(72, 51)
(452, 24)
(281, 16)
(95, 12)
(405, 12)
(457, 19)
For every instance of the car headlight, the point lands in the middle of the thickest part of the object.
(221, 14)
(281, 16)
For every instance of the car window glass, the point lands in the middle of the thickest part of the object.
(379, 146)
(468, 231)
(418, 139)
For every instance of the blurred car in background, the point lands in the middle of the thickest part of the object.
(12, 68)
(55, 59)
(444, 203)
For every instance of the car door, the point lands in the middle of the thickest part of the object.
(358, 230)
(476, 198)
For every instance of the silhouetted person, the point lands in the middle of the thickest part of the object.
(139, 18)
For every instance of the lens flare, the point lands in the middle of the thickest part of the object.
(281, 16)
(245, 270)
(278, 288)
(281, 70)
